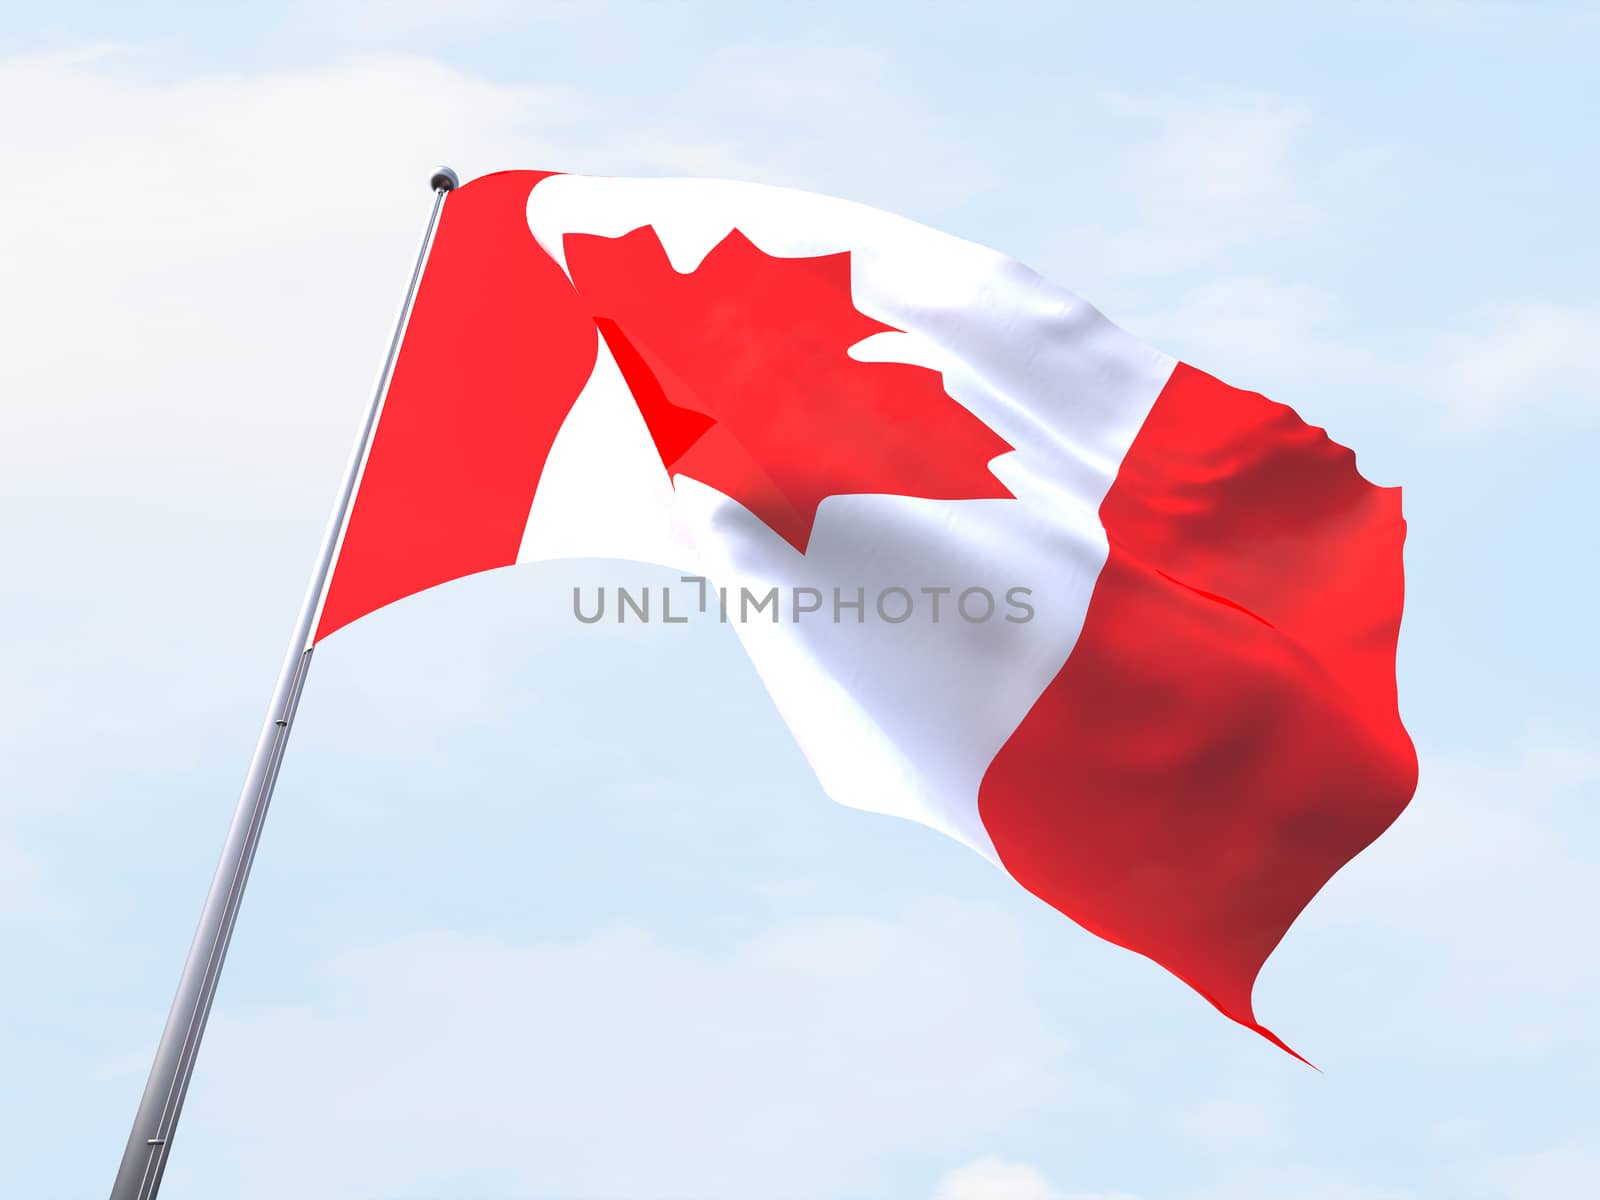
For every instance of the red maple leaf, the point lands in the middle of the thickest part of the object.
(741, 372)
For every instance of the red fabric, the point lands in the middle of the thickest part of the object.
(742, 372)
(1225, 736)
(496, 351)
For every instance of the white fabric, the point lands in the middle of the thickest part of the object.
(895, 718)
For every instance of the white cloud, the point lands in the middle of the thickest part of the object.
(993, 1178)
(1262, 330)
(1296, 1183)
(1474, 909)
(1214, 178)
(786, 1066)
(1295, 344)
(1219, 182)
(21, 875)
(204, 269)
(1494, 18)
(1563, 1173)
(397, 22)
(200, 278)
(1225, 1123)
(1568, 764)
(835, 120)
(1521, 362)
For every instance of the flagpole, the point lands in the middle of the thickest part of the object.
(145, 1158)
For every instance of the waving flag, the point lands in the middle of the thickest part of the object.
(1124, 630)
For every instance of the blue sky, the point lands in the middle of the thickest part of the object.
(556, 911)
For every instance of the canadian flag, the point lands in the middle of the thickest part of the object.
(1122, 629)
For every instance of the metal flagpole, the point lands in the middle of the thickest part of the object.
(144, 1160)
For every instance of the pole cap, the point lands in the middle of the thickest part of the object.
(444, 180)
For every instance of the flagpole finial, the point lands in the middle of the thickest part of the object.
(444, 180)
